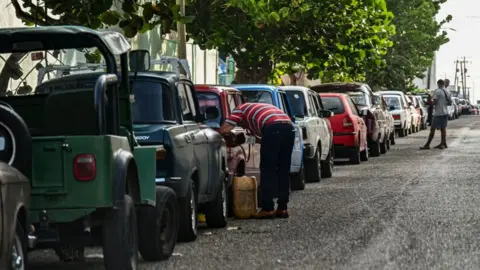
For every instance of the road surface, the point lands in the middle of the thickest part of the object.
(408, 209)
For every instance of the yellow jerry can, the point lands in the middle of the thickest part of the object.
(244, 196)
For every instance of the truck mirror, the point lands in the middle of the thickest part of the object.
(139, 60)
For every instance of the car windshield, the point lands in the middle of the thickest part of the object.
(151, 102)
(333, 104)
(258, 96)
(297, 101)
(393, 101)
(359, 98)
(206, 100)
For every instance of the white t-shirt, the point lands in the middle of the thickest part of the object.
(441, 96)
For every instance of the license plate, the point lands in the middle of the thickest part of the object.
(250, 139)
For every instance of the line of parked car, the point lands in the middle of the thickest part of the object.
(123, 156)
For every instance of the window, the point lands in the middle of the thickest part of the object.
(258, 96)
(314, 104)
(191, 99)
(238, 99)
(151, 103)
(283, 103)
(231, 102)
(186, 109)
(319, 101)
(394, 101)
(333, 104)
(297, 101)
(352, 106)
(206, 100)
(280, 103)
(359, 98)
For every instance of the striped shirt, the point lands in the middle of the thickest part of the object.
(254, 116)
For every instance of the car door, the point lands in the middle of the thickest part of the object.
(196, 136)
(297, 152)
(359, 119)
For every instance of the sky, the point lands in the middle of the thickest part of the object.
(465, 41)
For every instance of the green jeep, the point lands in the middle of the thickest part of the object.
(91, 183)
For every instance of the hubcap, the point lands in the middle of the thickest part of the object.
(17, 254)
(193, 210)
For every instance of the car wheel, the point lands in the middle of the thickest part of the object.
(216, 212)
(401, 133)
(383, 147)
(375, 149)
(188, 215)
(392, 138)
(120, 239)
(364, 154)
(388, 142)
(158, 226)
(355, 156)
(327, 165)
(297, 180)
(18, 252)
(313, 168)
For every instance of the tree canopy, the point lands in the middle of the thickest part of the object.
(418, 37)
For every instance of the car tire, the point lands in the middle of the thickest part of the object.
(297, 180)
(375, 149)
(120, 239)
(401, 133)
(19, 249)
(313, 168)
(158, 226)
(387, 141)
(327, 165)
(216, 212)
(392, 138)
(364, 154)
(188, 215)
(17, 136)
(383, 147)
(355, 156)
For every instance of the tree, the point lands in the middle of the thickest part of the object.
(418, 37)
(330, 39)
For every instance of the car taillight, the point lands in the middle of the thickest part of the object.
(347, 122)
(396, 116)
(161, 153)
(85, 167)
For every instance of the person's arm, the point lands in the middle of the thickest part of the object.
(434, 97)
(231, 122)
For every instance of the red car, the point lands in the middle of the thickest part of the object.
(243, 155)
(349, 129)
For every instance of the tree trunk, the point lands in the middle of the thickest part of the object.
(11, 70)
(293, 79)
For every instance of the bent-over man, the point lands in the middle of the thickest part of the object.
(278, 135)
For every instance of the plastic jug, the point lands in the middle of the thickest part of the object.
(244, 196)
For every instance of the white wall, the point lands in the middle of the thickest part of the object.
(423, 83)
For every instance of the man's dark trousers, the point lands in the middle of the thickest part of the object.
(275, 160)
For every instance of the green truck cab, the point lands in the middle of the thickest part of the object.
(91, 184)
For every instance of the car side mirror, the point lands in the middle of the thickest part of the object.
(139, 60)
(211, 113)
(391, 108)
(325, 113)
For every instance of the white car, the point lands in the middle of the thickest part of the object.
(400, 110)
(317, 133)
(416, 116)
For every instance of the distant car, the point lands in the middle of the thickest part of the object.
(362, 96)
(381, 104)
(400, 110)
(349, 129)
(458, 107)
(416, 118)
(423, 112)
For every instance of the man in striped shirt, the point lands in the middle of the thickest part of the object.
(278, 135)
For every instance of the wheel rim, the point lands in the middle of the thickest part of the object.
(8, 145)
(17, 254)
(193, 210)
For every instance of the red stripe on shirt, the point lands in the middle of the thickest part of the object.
(254, 116)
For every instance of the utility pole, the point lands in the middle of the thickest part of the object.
(181, 39)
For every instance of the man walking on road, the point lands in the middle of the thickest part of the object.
(278, 136)
(441, 99)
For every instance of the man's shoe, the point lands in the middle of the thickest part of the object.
(281, 214)
(262, 214)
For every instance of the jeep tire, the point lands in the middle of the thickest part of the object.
(158, 226)
(120, 239)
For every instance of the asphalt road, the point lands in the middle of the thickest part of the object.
(408, 209)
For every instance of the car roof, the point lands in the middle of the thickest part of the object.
(214, 88)
(394, 92)
(265, 87)
(27, 39)
(294, 88)
(342, 85)
(333, 95)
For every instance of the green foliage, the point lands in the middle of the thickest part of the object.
(418, 37)
(131, 16)
(331, 39)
